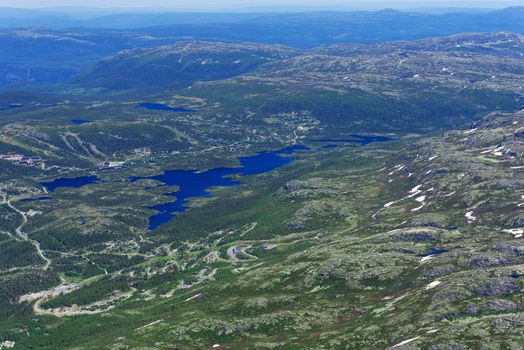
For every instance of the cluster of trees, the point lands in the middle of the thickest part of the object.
(18, 254)
(419, 111)
(71, 239)
(123, 137)
(419, 108)
(13, 285)
(91, 293)
(115, 262)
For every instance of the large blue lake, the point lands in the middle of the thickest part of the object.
(193, 183)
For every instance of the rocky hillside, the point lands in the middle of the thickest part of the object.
(418, 86)
(467, 61)
(418, 249)
(360, 197)
(502, 44)
(412, 245)
(181, 64)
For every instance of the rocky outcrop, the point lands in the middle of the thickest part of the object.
(498, 286)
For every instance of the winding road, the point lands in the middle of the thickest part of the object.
(22, 235)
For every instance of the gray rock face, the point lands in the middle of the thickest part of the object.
(510, 249)
(518, 221)
(498, 286)
(508, 322)
(292, 186)
(332, 268)
(449, 296)
(438, 271)
(467, 200)
(472, 309)
(447, 347)
(499, 305)
(421, 236)
(513, 185)
(430, 220)
(491, 261)
(446, 315)
(495, 305)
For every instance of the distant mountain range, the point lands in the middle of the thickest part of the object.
(70, 44)
(419, 22)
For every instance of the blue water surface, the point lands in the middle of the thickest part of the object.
(43, 198)
(361, 139)
(9, 106)
(196, 184)
(163, 107)
(434, 251)
(74, 182)
(80, 121)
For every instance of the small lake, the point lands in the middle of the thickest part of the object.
(74, 182)
(194, 184)
(10, 106)
(361, 139)
(80, 121)
(434, 251)
(37, 199)
(163, 107)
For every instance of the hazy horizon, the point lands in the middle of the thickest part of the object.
(228, 5)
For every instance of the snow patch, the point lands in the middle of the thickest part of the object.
(516, 232)
(470, 217)
(426, 258)
(415, 189)
(433, 284)
(404, 342)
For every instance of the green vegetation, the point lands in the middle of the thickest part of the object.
(417, 239)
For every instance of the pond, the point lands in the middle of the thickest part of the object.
(80, 121)
(164, 107)
(10, 106)
(361, 139)
(43, 198)
(74, 182)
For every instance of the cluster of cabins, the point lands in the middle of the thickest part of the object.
(20, 159)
